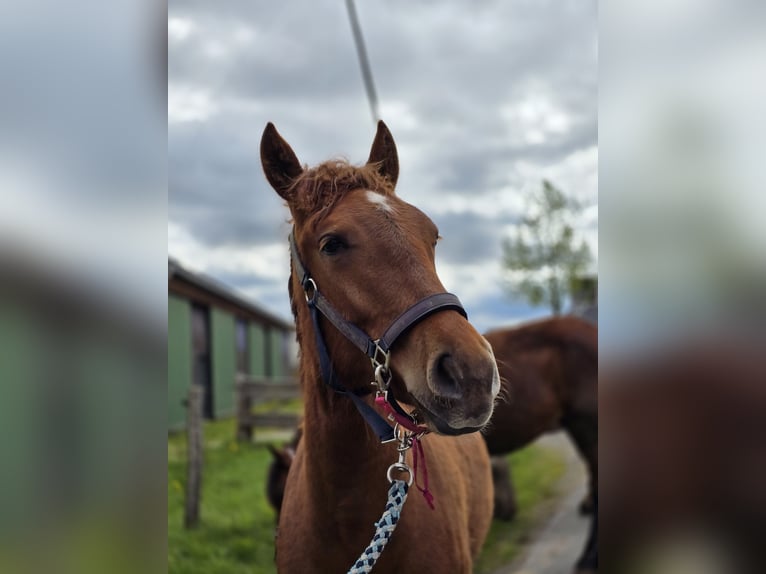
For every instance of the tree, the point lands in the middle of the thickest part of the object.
(542, 258)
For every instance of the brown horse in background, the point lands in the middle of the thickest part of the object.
(549, 371)
(684, 454)
(276, 477)
(372, 255)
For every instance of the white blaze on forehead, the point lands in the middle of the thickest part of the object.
(380, 201)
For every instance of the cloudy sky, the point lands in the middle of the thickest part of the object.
(483, 99)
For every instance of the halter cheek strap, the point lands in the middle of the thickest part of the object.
(381, 428)
(377, 350)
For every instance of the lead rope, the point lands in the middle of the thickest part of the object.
(397, 494)
(384, 528)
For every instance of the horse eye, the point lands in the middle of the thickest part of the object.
(331, 245)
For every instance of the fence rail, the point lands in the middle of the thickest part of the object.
(254, 391)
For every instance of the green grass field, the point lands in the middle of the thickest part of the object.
(237, 524)
(536, 471)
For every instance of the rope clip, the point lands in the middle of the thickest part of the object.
(405, 443)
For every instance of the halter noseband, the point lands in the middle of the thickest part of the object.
(377, 350)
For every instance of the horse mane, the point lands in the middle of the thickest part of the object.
(317, 190)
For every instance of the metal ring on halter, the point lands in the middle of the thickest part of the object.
(314, 290)
(401, 467)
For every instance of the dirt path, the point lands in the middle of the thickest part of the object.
(559, 541)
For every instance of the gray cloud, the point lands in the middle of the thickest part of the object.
(216, 186)
(244, 280)
(470, 238)
(453, 79)
(499, 311)
(93, 116)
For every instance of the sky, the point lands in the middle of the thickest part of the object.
(484, 100)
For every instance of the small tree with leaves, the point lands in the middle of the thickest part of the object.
(542, 258)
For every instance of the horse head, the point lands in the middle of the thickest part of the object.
(373, 256)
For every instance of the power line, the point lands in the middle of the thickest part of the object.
(364, 63)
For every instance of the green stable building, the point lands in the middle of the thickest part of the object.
(213, 333)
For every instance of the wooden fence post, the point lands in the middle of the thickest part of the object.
(194, 447)
(244, 420)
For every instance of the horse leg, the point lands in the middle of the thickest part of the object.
(583, 431)
(588, 562)
(505, 495)
(586, 505)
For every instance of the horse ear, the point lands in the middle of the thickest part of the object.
(383, 153)
(279, 161)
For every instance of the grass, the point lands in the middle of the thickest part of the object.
(535, 470)
(236, 528)
(282, 406)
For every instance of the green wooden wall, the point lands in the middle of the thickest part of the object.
(179, 359)
(265, 350)
(257, 350)
(276, 349)
(224, 361)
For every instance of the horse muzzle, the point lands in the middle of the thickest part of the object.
(455, 400)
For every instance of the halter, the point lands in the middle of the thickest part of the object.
(377, 350)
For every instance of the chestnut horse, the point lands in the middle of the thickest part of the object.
(549, 369)
(371, 255)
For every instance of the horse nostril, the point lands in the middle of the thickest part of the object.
(445, 377)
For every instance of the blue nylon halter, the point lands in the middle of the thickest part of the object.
(374, 349)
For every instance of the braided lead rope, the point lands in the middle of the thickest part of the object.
(384, 528)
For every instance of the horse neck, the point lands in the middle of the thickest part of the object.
(338, 446)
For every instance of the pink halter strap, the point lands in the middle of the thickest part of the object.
(404, 422)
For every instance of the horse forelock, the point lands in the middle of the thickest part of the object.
(316, 191)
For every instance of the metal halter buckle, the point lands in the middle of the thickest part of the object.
(380, 357)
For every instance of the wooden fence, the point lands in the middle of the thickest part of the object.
(250, 392)
(254, 391)
(194, 442)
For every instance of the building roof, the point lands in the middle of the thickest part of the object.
(177, 274)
